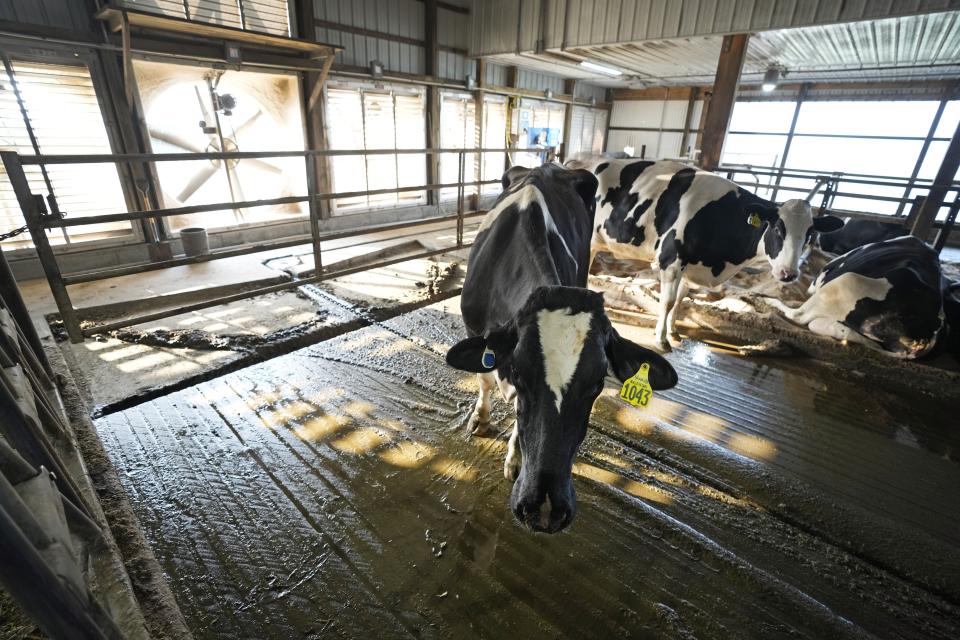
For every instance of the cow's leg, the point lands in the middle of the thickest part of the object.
(839, 331)
(670, 279)
(479, 423)
(511, 465)
(672, 316)
(803, 314)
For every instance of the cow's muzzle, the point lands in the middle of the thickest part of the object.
(544, 511)
(787, 276)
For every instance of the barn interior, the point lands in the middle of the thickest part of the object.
(234, 237)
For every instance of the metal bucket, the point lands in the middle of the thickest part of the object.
(195, 242)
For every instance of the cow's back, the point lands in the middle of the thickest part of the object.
(537, 234)
(642, 204)
(888, 291)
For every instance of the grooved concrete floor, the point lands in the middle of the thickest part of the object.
(331, 493)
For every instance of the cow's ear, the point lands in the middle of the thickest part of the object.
(585, 184)
(826, 224)
(767, 212)
(482, 354)
(512, 175)
(625, 358)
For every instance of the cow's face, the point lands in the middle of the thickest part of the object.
(556, 355)
(789, 232)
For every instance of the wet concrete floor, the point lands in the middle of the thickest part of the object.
(332, 492)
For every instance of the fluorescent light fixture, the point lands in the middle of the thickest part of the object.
(599, 68)
(771, 78)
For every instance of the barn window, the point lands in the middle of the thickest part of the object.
(265, 16)
(53, 109)
(494, 137)
(376, 118)
(539, 128)
(458, 130)
(587, 130)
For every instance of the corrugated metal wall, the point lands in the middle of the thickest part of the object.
(64, 14)
(505, 26)
(401, 18)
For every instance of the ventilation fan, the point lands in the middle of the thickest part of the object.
(191, 110)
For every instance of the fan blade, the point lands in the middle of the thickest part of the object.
(198, 181)
(249, 121)
(266, 166)
(175, 140)
(203, 107)
(237, 191)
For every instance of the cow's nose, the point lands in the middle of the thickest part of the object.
(546, 517)
(787, 276)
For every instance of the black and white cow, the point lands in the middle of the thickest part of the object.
(540, 335)
(695, 227)
(858, 232)
(885, 295)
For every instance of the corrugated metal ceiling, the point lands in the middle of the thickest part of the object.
(903, 48)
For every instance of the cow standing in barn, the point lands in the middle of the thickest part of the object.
(540, 335)
(695, 227)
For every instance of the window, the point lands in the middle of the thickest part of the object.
(265, 16)
(458, 130)
(494, 137)
(758, 133)
(539, 129)
(377, 118)
(587, 129)
(58, 105)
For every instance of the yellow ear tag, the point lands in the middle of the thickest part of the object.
(637, 390)
(754, 220)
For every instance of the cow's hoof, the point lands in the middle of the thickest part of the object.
(479, 427)
(511, 469)
(664, 346)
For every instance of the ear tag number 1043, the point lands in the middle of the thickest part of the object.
(636, 390)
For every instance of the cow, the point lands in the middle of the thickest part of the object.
(858, 232)
(951, 312)
(886, 295)
(695, 227)
(538, 334)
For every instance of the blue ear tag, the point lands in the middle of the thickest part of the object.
(488, 359)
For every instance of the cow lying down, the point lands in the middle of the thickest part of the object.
(696, 227)
(540, 335)
(885, 295)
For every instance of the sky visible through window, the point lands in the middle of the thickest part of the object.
(882, 138)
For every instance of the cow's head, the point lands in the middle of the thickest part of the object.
(790, 228)
(556, 353)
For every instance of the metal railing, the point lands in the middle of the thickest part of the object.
(39, 221)
(830, 185)
(53, 540)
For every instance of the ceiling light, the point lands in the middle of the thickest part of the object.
(599, 68)
(771, 78)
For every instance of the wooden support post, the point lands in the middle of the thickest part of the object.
(688, 120)
(569, 87)
(318, 178)
(479, 137)
(938, 190)
(732, 53)
(48, 261)
(431, 53)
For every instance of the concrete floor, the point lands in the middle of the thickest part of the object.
(332, 492)
(150, 357)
